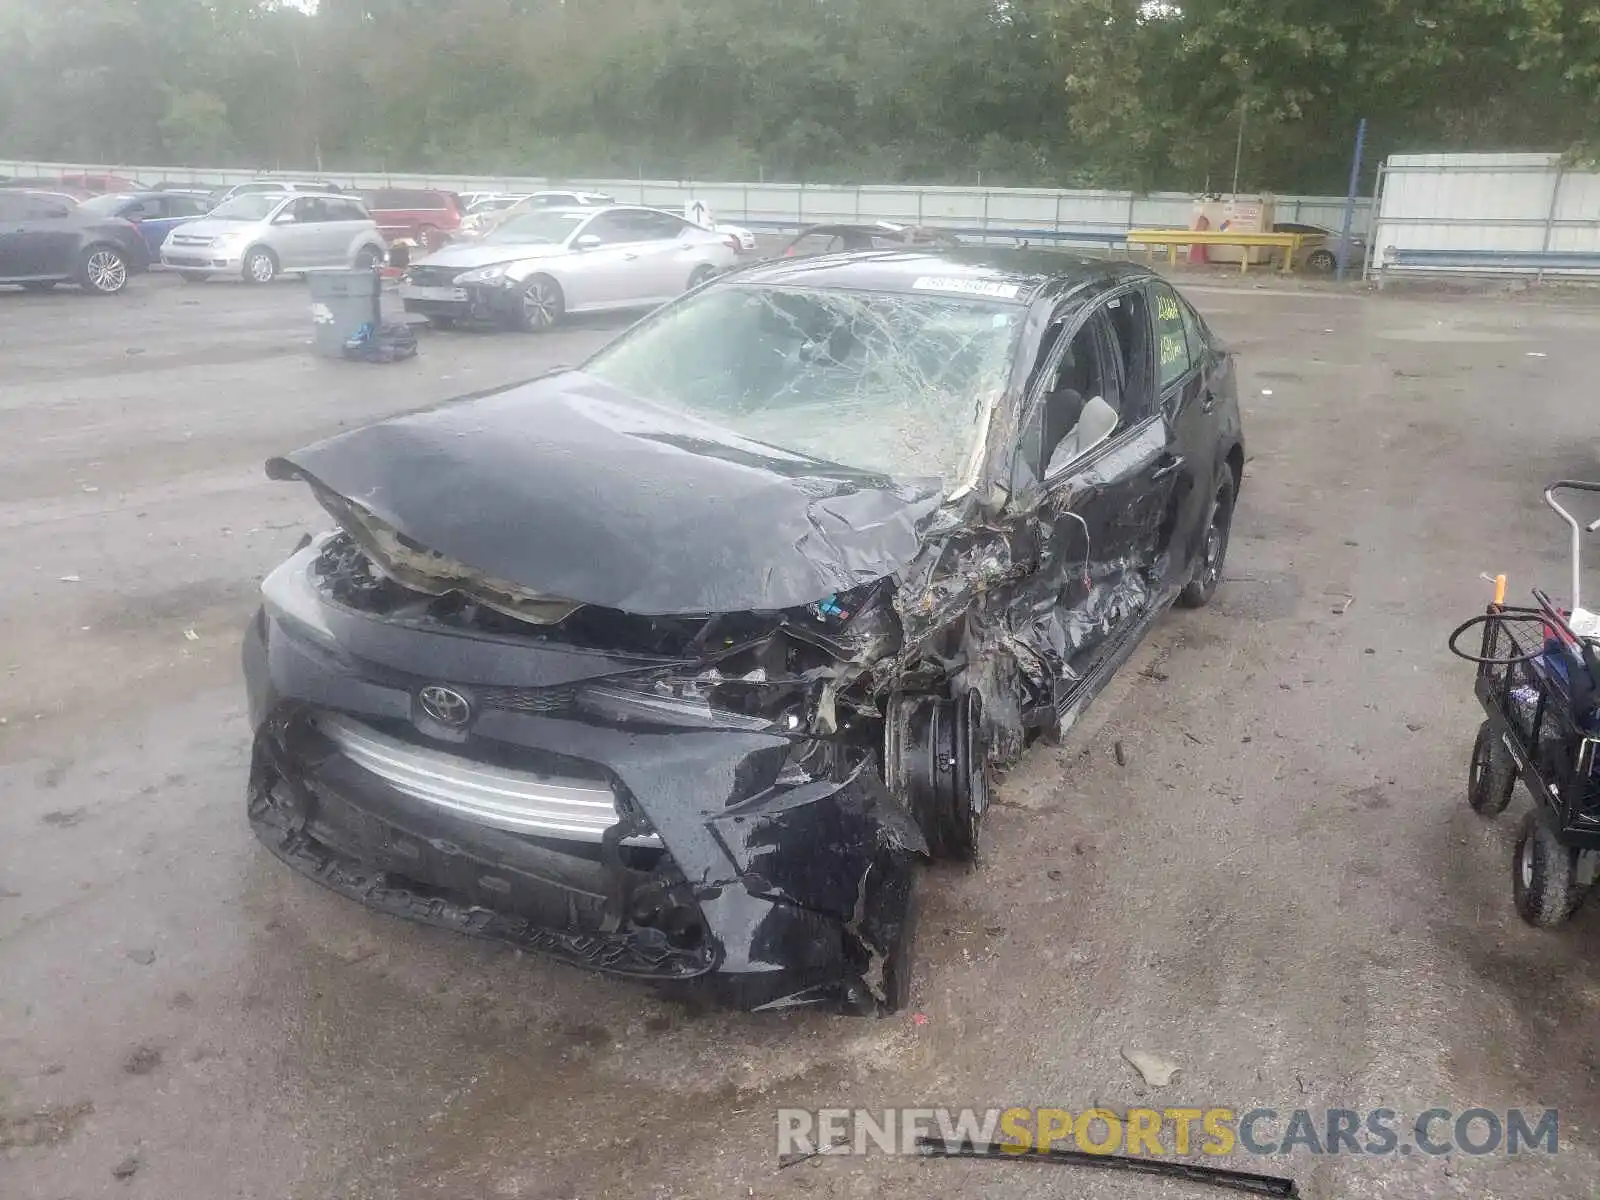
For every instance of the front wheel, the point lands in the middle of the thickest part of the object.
(1208, 571)
(1492, 777)
(1321, 261)
(103, 272)
(540, 305)
(260, 266)
(699, 275)
(1543, 873)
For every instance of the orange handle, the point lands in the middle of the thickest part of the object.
(1499, 589)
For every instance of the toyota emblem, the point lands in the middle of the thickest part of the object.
(445, 705)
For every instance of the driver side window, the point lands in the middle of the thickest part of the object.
(1078, 409)
(612, 228)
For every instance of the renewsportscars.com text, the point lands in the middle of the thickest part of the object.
(1175, 1131)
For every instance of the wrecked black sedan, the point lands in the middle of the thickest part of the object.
(676, 664)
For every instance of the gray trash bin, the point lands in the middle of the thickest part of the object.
(341, 303)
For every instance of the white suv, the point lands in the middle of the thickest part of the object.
(285, 186)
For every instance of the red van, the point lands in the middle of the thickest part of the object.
(420, 213)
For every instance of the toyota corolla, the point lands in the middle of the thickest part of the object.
(676, 664)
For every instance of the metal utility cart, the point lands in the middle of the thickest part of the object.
(1539, 684)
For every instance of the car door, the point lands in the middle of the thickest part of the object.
(1100, 446)
(175, 210)
(150, 214)
(669, 250)
(43, 242)
(299, 235)
(13, 228)
(1184, 365)
(602, 274)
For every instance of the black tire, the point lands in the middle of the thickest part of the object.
(1322, 261)
(368, 258)
(103, 271)
(194, 276)
(260, 265)
(699, 275)
(39, 285)
(1202, 586)
(540, 305)
(441, 322)
(1492, 775)
(1543, 873)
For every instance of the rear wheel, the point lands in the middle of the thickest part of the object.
(1208, 571)
(103, 271)
(368, 258)
(1543, 873)
(39, 285)
(260, 266)
(428, 236)
(540, 305)
(699, 275)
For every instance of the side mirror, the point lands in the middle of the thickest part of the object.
(283, 219)
(587, 242)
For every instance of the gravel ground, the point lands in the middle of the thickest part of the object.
(1279, 887)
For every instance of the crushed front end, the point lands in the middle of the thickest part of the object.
(689, 801)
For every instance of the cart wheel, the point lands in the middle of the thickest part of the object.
(1542, 871)
(1493, 774)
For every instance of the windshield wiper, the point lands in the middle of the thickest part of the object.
(1220, 1177)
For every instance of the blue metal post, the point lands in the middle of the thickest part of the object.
(1350, 196)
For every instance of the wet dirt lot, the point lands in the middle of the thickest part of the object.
(1279, 887)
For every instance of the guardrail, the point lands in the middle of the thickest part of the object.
(1289, 243)
(1061, 216)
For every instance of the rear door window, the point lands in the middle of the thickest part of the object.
(1172, 342)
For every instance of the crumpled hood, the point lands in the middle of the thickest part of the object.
(481, 254)
(575, 490)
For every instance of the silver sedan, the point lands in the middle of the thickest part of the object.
(539, 265)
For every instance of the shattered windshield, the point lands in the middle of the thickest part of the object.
(550, 228)
(895, 383)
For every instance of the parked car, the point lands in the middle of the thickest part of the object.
(744, 239)
(540, 264)
(97, 183)
(276, 187)
(538, 200)
(674, 665)
(46, 239)
(155, 213)
(483, 212)
(1322, 255)
(260, 235)
(871, 235)
(425, 215)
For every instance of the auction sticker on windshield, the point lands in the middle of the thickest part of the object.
(967, 287)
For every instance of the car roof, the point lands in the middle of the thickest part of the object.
(855, 227)
(897, 270)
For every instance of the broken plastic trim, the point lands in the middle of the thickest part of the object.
(1220, 1177)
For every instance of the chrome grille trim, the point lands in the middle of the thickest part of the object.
(579, 810)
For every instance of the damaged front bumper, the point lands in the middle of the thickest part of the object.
(696, 859)
(476, 303)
